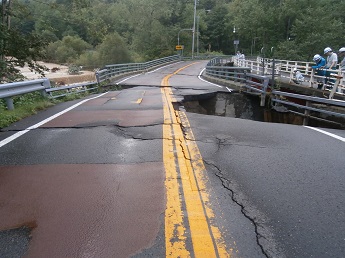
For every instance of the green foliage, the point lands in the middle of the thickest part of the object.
(113, 51)
(17, 48)
(25, 105)
(79, 31)
(67, 50)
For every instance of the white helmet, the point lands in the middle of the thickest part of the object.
(342, 50)
(317, 57)
(326, 50)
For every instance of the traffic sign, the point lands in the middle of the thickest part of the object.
(179, 47)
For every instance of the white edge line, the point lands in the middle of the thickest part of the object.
(327, 133)
(199, 76)
(127, 79)
(141, 73)
(164, 67)
(20, 133)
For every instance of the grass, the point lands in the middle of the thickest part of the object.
(27, 105)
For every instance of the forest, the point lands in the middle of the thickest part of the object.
(93, 33)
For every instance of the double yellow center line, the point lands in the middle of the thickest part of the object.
(189, 226)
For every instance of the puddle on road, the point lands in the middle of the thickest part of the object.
(14, 242)
(244, 106)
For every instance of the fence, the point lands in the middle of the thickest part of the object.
(222, 68)
(286, 69)
(110, 71)
(309, 101)
(9, 90)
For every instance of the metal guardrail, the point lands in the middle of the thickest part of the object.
(236, 74)
(277, 98)
(9, 90)
(254, 84)
(257, 84)
(71, 89)
(110, 71)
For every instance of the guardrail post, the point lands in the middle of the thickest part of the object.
(263, 94)
(335, 86)
(97, 77)
(273, 71)
(9, 103)
(306, 114)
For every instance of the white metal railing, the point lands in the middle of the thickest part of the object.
(334, 80)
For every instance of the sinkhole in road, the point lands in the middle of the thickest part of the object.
(244, 106)
(226, 104)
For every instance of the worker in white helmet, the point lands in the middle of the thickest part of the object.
(332, 58)
(319, 66)
(342, 54)
(320, 62)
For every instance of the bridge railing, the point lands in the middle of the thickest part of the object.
(222, 68)
(311, 104)
(286, 69)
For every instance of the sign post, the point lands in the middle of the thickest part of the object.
(180, 48)
(236, 42)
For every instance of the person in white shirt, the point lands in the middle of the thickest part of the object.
(331, 63)
(240, 56)
(332, 58)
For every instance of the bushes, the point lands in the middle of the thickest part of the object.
(25, 105)
(74, 50)
(67, 50)
(113, 50)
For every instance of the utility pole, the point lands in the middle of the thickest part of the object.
(193, 42)
(3, 26)
(8, 15)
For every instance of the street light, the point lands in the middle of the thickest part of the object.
(236, 41)
(253, 45)
(178, 35)
(197, 36)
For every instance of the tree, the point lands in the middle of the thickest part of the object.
(113, 51)
(67, 50)
(16, 48)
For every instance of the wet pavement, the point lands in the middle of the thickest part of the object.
(130, 174)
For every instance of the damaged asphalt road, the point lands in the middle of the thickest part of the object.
(95, 175)
(275, 173)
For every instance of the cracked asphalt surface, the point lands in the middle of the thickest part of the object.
(91, 181)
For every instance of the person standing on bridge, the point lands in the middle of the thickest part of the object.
(240, 55)
(332, 60)
(320, 63)
(342, 63)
